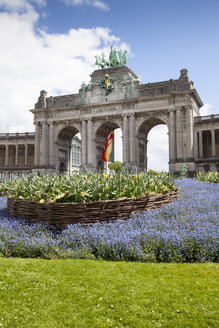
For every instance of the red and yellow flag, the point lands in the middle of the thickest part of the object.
(108, 148)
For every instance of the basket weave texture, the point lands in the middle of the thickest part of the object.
(63, 214)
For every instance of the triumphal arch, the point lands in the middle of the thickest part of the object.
(115, 98)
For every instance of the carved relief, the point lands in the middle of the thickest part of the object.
(172, 100)
(184, 110)
(129, 105)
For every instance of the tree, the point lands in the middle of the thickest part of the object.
(116, 166)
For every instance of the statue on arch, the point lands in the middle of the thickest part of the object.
(105, 61)
(98, 60)
(112, 57)
(90, 86)
(107, 83)
(124, 57)
(120, 56)
(83, 86)
(116, 58)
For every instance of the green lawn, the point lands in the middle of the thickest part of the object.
(85, 293)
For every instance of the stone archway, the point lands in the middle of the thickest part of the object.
(133, 107)
(64, 148)
(142, 139)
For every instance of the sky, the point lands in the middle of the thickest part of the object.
(51, 44)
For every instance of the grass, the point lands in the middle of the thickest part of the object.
(97, 294)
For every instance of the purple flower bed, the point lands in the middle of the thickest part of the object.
(183, 231)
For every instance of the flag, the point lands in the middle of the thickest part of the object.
(108, 148)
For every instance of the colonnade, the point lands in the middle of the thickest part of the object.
(199, 146)
(9, 155)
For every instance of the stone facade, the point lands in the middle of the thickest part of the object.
(133, 107)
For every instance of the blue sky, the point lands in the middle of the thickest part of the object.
(164, 36)
(50, 44)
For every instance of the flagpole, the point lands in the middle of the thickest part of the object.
(106, 169)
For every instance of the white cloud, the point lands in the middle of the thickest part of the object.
(40, 3)
(205, 110)
(15, 5)
(100, 4)
(158, 148)
(94, 3)
(118, 145)
(30, 62)
(208, 110)
(20, 5)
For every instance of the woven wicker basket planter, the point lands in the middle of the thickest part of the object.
(62, 214)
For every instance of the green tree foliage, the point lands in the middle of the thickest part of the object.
(116, 166)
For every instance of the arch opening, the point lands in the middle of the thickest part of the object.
(101, 136)
(68, 150)
(153, 145)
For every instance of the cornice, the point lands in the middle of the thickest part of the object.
(122, 103)
(190, 92)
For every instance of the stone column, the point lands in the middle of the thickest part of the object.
(37, 146)
(195, 144)
(45, 144)
(125, 140)
(95, 153)
(70, 157)
(16, 155)
(1, 156)
(200, 144)
(146, 153)
(172, 148)
(83, 142)
(132, 139)
(213, 149)
(179, 135)
(26, 155)
(51, 145)
(189, 121)
(90, 142)
(6, 155)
